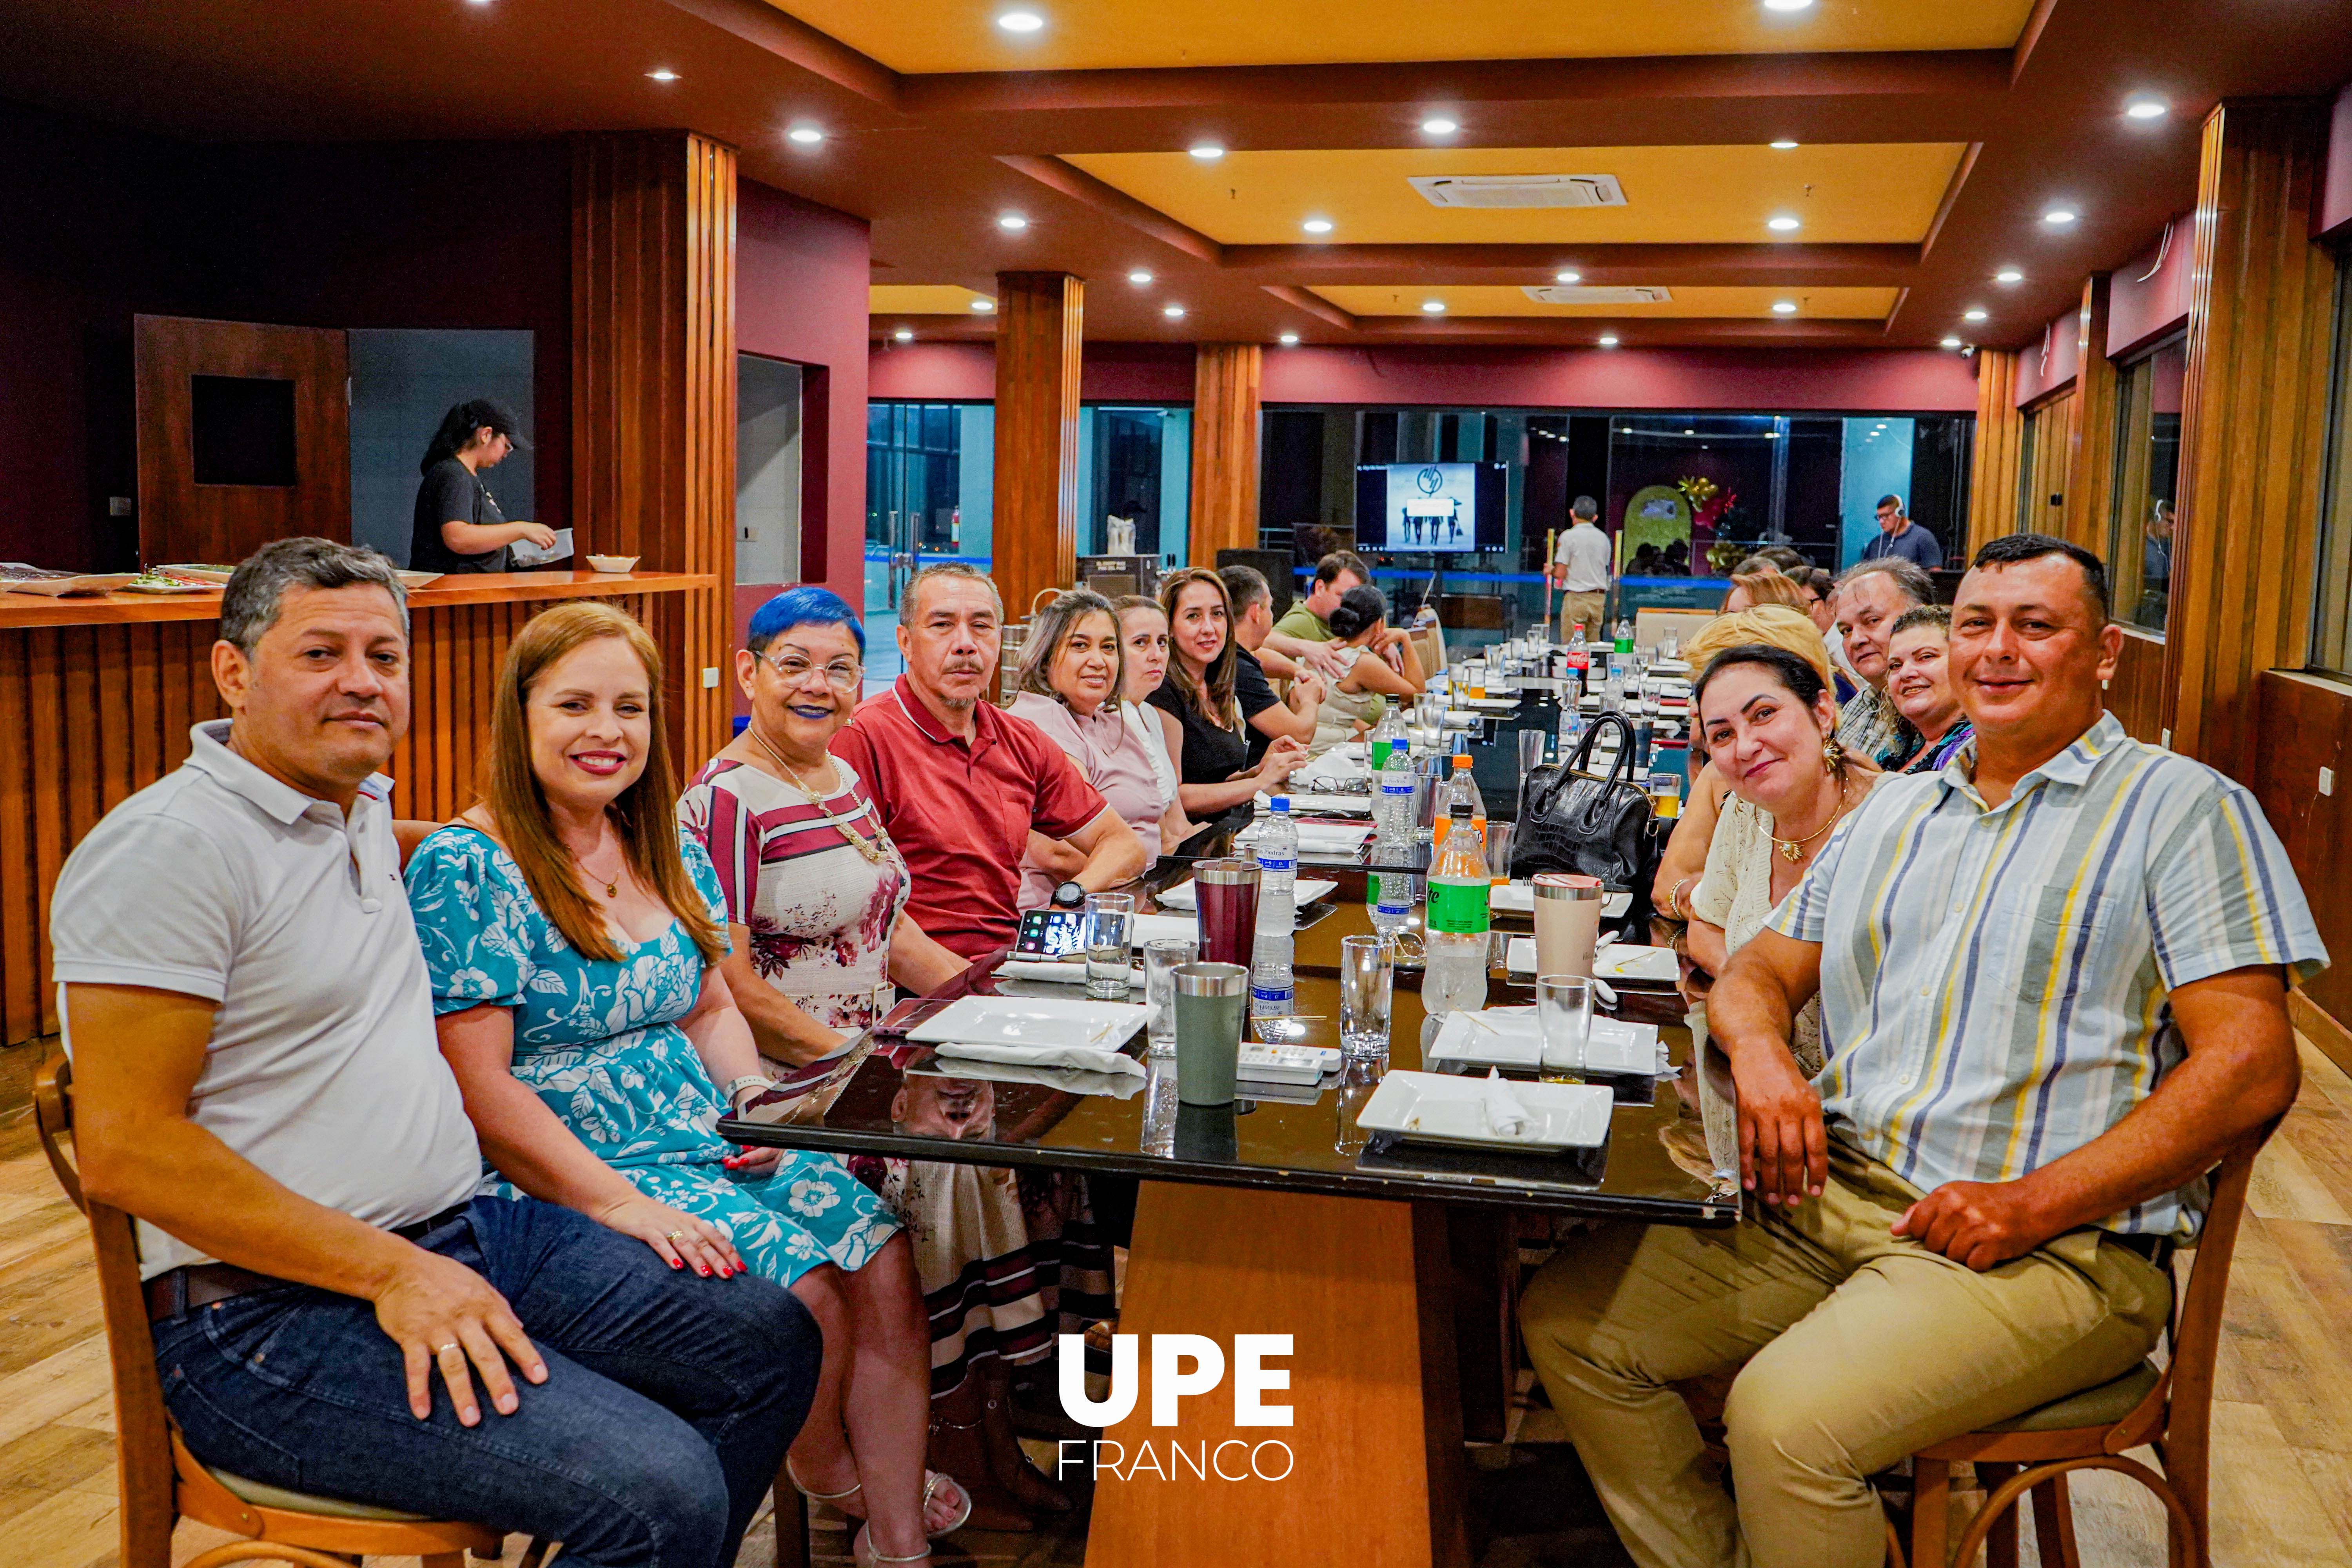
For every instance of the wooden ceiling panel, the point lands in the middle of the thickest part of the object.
(1488, 299)
(923, 37)
(923, 300)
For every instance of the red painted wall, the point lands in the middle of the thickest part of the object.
(2050, 363)
(966, 373)
(2148, 295)
(801, 276)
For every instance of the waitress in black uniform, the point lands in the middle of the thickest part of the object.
(458, 525)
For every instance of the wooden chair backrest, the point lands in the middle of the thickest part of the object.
(143, 1441)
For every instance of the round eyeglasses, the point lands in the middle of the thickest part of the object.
(841, 673)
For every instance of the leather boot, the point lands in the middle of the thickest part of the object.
(960, 1447)
(1008, 1464)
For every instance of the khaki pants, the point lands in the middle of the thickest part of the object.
(1586, 608)
(1859, 1348)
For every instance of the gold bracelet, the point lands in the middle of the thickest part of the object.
(1674, 908)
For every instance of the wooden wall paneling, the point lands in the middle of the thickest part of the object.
(146, 701)
(2046, 465)
(46, 718)
(654, 387)
(2000, 430)
(110, 669)
(178, 655)
(2136, 695)
(2306, 723)
(20, 989)
(1224, 448)
(2252, 427)
(1040, 330)
(2091, 456)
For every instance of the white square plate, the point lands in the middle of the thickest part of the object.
(1185, 895)
(1033, 1021)
(1436, 1107)
(1520, 898)
(1617, 962)
(1511, 1039)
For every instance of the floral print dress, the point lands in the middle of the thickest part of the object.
(599, 1042)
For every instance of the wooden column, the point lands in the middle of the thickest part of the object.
(1224, 448)
(2091, 460)
(2001, 429)
(1040, 332)
(652, 392)
(2253, 426)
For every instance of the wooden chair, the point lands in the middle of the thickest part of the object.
(2171, 1409)
(160, 1480)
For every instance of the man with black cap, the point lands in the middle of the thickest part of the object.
(458, 525)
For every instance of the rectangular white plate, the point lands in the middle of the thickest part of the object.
(1492, 704)
(1436, 1108)
(1185, 895)
(1033, 1021)
(1619, 962)
(1513, 1041)
(1520, 898)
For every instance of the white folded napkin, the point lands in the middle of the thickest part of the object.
(1505, 1115)
(1090, 1059)
(1059, 973)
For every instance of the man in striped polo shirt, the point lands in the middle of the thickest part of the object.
(2053, 981)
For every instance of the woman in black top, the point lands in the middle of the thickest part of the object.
(459, 526)
(1198, 691)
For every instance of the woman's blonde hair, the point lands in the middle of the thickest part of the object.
(645, 813)
(1213, 697)
(1775, 625)
(1051, 628)
(1768, 588)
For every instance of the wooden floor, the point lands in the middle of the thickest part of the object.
(2282, 1421)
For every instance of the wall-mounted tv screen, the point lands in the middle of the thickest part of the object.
(1430, 506)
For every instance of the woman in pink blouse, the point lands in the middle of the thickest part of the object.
(1068, 685)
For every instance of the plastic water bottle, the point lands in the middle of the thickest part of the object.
(1625, 636)
(1385, 735)
(1461, 788)
(1389, 895)
(1455, 978)
(1392, 794)
(1571, 726)
(1271, 968)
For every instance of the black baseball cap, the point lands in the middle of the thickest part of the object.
(501, 419)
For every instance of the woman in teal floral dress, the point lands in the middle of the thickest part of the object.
(574, 935)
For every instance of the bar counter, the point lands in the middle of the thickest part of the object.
(98, 693)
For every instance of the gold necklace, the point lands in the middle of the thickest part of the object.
(612, 888)
(872, 850)
(1788, 847)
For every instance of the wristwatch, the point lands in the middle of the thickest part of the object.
(736, 1086)
(1069, 896)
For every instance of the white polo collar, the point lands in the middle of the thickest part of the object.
(277, 799)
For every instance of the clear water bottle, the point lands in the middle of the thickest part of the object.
(1624, 635)
(1272, 985)
(1392, 794)
(1455, 978)
(1571, 726)
(1462, 789)
(1384, 737)
(1388, 894)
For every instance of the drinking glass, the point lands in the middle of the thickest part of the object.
(1531, 749)
(1162, 954)
(1367, 986)
(1564, 1013)
(1498, 851)
(1358, 1077)
(1109, 918)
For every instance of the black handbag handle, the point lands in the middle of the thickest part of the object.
(1621, 773)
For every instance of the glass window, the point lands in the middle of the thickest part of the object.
(2146, 483)
(2332, 641)
(929, 490)
(1135, 462)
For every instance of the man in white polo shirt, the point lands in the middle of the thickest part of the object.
(1579, 570)
(257, 1077)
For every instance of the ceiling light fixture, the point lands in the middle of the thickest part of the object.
(1012, 222)
(903, 335)
(2146, 109)
(2060, 216)
(1788, 4)
(1568, 277)
(1020, 21)
(1974, 314)
(1434, 306)
(1139, 277)
(1173, 312)
(2009, 275)
(1609, 340)
(1440, 126)
(805, 135)
(665, 74)
(1782, 225)
(1784, 307)
(1784, 145)
(1689, 431)
(1317, 225)
(1290, 339)
(1207, 151)
(983, 305)
(1951, 342)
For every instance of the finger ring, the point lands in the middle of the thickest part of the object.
(672, 1234)
(445, 1350)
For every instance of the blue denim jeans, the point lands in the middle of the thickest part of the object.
(668, 1403)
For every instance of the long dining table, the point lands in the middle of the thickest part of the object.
(1390, 1266)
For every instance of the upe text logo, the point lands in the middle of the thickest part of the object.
(1183, 1365)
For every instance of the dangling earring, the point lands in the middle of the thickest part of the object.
(1832, 754)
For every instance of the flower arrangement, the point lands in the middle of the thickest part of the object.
(1709, 501)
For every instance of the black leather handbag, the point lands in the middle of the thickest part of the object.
(1599, 827)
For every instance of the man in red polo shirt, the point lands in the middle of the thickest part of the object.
(960, 782)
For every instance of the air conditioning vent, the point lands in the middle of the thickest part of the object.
(1520, 190)
(1597, 294)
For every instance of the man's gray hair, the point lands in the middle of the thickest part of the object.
(962, 570)
(1909, 576)
(250, 603)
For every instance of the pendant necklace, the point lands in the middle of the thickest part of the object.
(872, 850)
(1790, 847)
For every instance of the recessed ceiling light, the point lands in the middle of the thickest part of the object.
(1434, 306)
(2009, 275)
(903, 335)
(2059, 216)
(1609, 340)
(1784, 145)
(1020, 21)
(1139, 277)
(1784, 307)
(806, 135)
(665, 74)
(1975, 313)
(983, 305)
(1207, 151)
(1317, 225)
(1951, 342)
(1689, 431)
(2146, 109)
(1571, 276)
(1012, 222)
(1440, 126)
(1782, 225)
(1289, 340)
(1788, 4)
(1171, 311)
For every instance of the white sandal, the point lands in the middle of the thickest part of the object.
(862, 1552)
(932, 1481)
